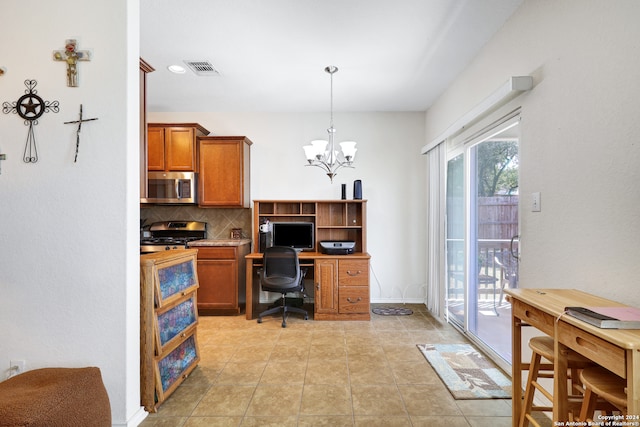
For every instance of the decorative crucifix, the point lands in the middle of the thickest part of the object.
(79, 122)
(30, 107)
(71, 56)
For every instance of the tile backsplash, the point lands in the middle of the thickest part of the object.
(219, 221)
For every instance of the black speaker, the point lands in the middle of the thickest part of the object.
(265, 240)
(357, 189)
(344, 191)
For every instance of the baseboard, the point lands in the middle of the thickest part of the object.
(135, 420)
(398, 301)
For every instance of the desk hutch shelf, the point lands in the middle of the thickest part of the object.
(333, 219)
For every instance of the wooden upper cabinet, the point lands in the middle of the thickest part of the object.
(172, 146)
(224, 171)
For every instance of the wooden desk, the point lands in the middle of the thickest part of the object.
(615, 349)
(341, 285)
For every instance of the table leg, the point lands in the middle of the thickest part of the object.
(249, 286)
(560, 394)
(633, 383)
(516, 369)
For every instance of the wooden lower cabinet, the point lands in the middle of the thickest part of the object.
(221, 271)
(341, 289)
(168, 323)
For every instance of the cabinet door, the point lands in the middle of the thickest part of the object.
(326, 292)
(174, 367)
(174, 322)
(180, 149)
(175, 279)
(155, 149)
(223, 165)
(218, 284)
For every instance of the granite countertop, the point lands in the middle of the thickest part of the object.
(219, 242)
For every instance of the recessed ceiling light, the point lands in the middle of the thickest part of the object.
(176, 69)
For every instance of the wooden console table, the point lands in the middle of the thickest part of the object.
(615, 349)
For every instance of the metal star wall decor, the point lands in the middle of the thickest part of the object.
(80, 121)
(30, 107)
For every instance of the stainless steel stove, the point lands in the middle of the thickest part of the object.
(168, 235)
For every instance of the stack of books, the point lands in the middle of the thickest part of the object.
(607, 317)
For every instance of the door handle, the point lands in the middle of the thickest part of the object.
(513, 239)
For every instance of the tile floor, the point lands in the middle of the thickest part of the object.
(321, 373)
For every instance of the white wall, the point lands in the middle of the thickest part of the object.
(579, 144)
(69, 275)
(387, 161)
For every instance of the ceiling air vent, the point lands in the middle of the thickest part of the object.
(202, 68)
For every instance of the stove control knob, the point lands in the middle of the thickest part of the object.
(166, 248)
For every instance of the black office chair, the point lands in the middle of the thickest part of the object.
(281, 273)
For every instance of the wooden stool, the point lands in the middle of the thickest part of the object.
(601, 383)
(542, 347)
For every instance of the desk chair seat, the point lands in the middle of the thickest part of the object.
(281, 273)
(542, 347)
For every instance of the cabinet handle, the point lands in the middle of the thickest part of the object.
(318, 286)
(183, 293)
(353, 302)
(354, 273)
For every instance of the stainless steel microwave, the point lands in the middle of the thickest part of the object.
(171, 188)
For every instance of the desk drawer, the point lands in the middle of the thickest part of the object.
(353, 272)
(353, 299)
(216, 252)
(600, 351)
(533, 316)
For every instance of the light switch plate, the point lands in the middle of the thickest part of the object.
(535, 202)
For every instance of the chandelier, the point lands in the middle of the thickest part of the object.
(324, 154)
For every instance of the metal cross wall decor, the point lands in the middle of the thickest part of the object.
(71, 56)
(80, 121)
(30, 107)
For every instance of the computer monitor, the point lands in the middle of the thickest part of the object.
(297, 235)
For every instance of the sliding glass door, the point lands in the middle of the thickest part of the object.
(455, 241)
(482, 235)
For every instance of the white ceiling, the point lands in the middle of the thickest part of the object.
(392, 55)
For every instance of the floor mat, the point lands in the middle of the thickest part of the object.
(466, 372)
(392, 311)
